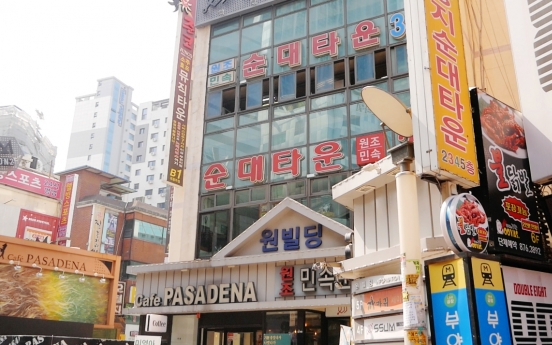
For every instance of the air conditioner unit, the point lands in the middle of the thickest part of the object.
(148, 196)
(154, 139)
(153, 153)
(162, 195)
(152, 167)
(155, 125)
(150, 181)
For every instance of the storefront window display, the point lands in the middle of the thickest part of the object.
(294, 112)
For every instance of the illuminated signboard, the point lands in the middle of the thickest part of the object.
(179, 123)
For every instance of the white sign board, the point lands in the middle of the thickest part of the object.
(156, 323)
(147, 340)
(379, 328)
(529, 27)
(529, 305)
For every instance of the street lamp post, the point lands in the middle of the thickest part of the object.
(396, 116)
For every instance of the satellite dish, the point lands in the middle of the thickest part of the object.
(389, 110)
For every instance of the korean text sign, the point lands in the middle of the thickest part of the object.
(31, 182)
(449, 303)
(490, 302)
(451, 101)
(181, 100)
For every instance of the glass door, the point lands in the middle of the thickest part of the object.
(214, 338)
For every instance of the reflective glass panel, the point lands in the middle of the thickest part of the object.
(224, 47)
(252, 140)
(328, 101)
(290, 6)
(290, 132)
(214, 101)
(364, 67)
(290, 27)
(289, 109)
(363, 120)
(358, 10)
(215, 126)
(250, 118)
(255, 37)
(287, 86)
(325, 17)
(217, 147)
(254, 94)
(328, 124)
(324, 77)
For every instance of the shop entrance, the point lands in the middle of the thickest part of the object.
(222, 337)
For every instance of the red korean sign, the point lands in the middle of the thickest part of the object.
(370, 148)
(31, 182)
(37, 227)
(177, 145)
(65, 207)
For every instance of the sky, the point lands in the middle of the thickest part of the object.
(54, 51)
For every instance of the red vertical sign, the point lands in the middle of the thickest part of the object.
(179, 124)
(65, 208)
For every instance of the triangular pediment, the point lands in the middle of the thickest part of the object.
(312, 235)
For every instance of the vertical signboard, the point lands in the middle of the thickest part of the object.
(179, 121)
(529, 305)
(506, 187)
(95, 241)
(490, 301)
(455, 144)
(109, 231)
(449, 304)
(529, 24)
(67, 202)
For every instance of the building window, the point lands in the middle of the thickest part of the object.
(95, 114)
(90, 146)
(137, 172)
(213, 232)
(151, 164)
(138, 158)
(131, 136)
(154, 136)
(130, 147)
(162, 161)
(166, 119)
(144, 113)
(97, 104)
(127, 167)
(129, 157)
(155, 123)
(153, 150)
(132, 126)
(150, 178)
(136, 186)
(93, 124)
(149, 191)
(161, 176)
(91, 135)
(133, 117)
(161, 205)
(163, 148)
(162, 190)
(164, 134)
(141, 130)
(140, 143)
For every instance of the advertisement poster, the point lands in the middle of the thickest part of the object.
(449, 303)
(109, 231)
(490, 301)
(506, 189)
(34, 226)
(529, 305)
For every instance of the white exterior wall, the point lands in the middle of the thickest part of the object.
(185, 200)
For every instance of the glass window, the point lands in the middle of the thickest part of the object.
(224, 47)
(252, 140)
(137, 172)
(283, 322)
(131, 136)
(242, 196)
(324, 77)
(149, 191)
(213, 232)
(129, 147)
(149, 178)
(207, 202)
(364, 67)
(363, 120)
(128, 157)
(395, 5)
(255, 117)
(153, 150)
(155, 123)
(290, 132)
(356, 93)
(244, 217)
(132, 126)
(138, 158)
(255, 37)
(280, 191)
(141, 130)
(136, 186)
(217, 147)
(215, 126)
(328, 101)
(258, 194)
(400, 59)
(285, 67)
(151, 164)
(133, 117)
(289, 7)
(214, 101)
(325, 205)
(287, 86)
(254, 94)
(299, 161)
(358, 10)
(326, 16)
(328, 124)
(140, 143)
(127, 167)
(150, 232)
(400, 84)
(257, 17)
(289, 109)
(225, 27)
(290, 27)
(404, 97)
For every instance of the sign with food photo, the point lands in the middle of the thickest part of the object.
(506, 190)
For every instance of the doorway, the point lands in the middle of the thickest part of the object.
(223, 337)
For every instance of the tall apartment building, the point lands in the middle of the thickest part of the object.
(113, 134)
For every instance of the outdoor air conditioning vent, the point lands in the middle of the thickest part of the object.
(154, 139)
(152, 167)
(148, 196)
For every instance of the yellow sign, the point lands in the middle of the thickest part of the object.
(451, 99)
(487, 274)
(447, 276)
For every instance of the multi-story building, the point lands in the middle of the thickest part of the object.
(148, 169)
(38, 152)
(103, 129)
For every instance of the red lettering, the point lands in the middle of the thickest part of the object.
(287, 162)
(326, 43)
(289, 54)
(213, 176)
(252, 169)
(496, 164)
(254, 66)
(362, 37)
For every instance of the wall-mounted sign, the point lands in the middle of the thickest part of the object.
(147, 339)
(156, 323)
(67, 203)
(277, 339)
(449, 303)
(223, 66)
(311, 234)
(298, 281)
(38, 227)
(530, 305)
(370, 148)
(506, 188)
(179, 123)
(209, 294)
(31, 182)
(464, 224)
(379, 328)
(10, 154)
(373, 302)
(375, 282)
(338, 311)
(492, 313)
(120, 302)
(221, 79)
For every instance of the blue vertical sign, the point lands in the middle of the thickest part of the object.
(449, 303)
(490, 302)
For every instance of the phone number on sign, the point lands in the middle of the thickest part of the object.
(463, 164)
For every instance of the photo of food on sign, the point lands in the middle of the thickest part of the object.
(502, 126)
(464, 223)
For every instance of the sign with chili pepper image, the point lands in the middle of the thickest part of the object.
(506, 189)
(464, 224)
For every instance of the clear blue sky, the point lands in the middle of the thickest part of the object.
(54, 51)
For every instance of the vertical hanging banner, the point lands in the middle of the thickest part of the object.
(179, 122)
(67, 203)
(456, 155)
(490, 301)
(449, 303)
(506, 187)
